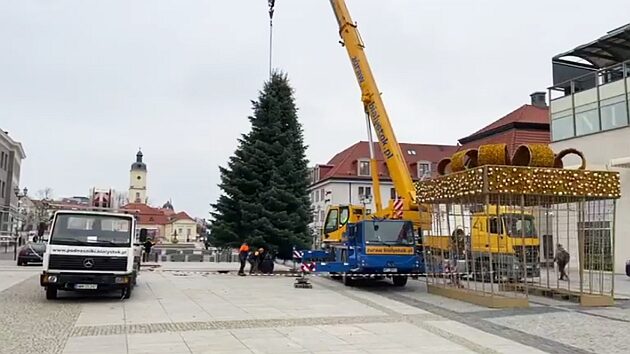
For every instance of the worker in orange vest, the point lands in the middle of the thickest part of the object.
(242, 257)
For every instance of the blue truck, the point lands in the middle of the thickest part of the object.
(370, 249)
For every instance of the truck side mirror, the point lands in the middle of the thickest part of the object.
(143, 235)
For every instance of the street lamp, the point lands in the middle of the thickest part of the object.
(19, 194)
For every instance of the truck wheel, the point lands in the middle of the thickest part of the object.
(127, 291)
(400, 280)
(51, 293)
(347, 280)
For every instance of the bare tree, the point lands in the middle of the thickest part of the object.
(45, 194)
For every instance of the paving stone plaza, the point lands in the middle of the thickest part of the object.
(188, 308)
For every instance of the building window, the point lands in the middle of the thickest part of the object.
(2, 159)
(496, 227)
(365, 192)
(344, 215)
(364, 168)
(332, 221)
(562, 127)
(392, 193)
(321, 216)
(424, 169)
(323, 196)
(316, 196)
(316, 217)
(586, 120)
(139, 178)
(2, 187)
(368, 211)
(614, 113)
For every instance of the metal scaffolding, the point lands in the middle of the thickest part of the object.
(486, 244)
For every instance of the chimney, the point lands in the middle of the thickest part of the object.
(538, 99)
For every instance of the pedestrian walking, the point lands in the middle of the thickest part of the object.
(242, 257)
(562, 258)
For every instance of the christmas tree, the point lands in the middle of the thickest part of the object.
(265, 199)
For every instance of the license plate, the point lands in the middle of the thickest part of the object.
(86, 286)
(390, 270)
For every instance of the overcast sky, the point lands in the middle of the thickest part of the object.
(83, 84)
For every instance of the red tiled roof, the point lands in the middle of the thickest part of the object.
(524, 114)
(344, 163)
(526, 125)
(512, 138)
(181, 216)
(148, 215)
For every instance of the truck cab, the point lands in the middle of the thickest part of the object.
(506, 235)
(90, 250)
(338, 217)
(371, 249)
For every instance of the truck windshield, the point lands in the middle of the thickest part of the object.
(91, 230)
(517, 223)
(389, 233)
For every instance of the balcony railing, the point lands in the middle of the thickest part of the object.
(591, 103)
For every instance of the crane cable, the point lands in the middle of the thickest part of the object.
(271, 4)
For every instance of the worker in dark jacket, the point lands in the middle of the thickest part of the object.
(562, 258)
(266, 265)
(242, 257)
(147, 250)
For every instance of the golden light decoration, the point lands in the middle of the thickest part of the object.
(512, 180)
(493, 154)
(464, 159)
(532, 174)
(533, 155)
(444, 166)
(558, 158)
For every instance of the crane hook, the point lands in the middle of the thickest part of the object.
(271, 4)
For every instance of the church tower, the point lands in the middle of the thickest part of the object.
(138, 181)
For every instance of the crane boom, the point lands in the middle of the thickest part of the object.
(338, 217)
(373, 104)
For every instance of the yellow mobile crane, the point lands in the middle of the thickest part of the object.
(339, 216)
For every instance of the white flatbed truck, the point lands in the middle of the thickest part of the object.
(93, 250)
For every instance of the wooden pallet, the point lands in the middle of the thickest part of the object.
(478, 298)
(584, 299)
